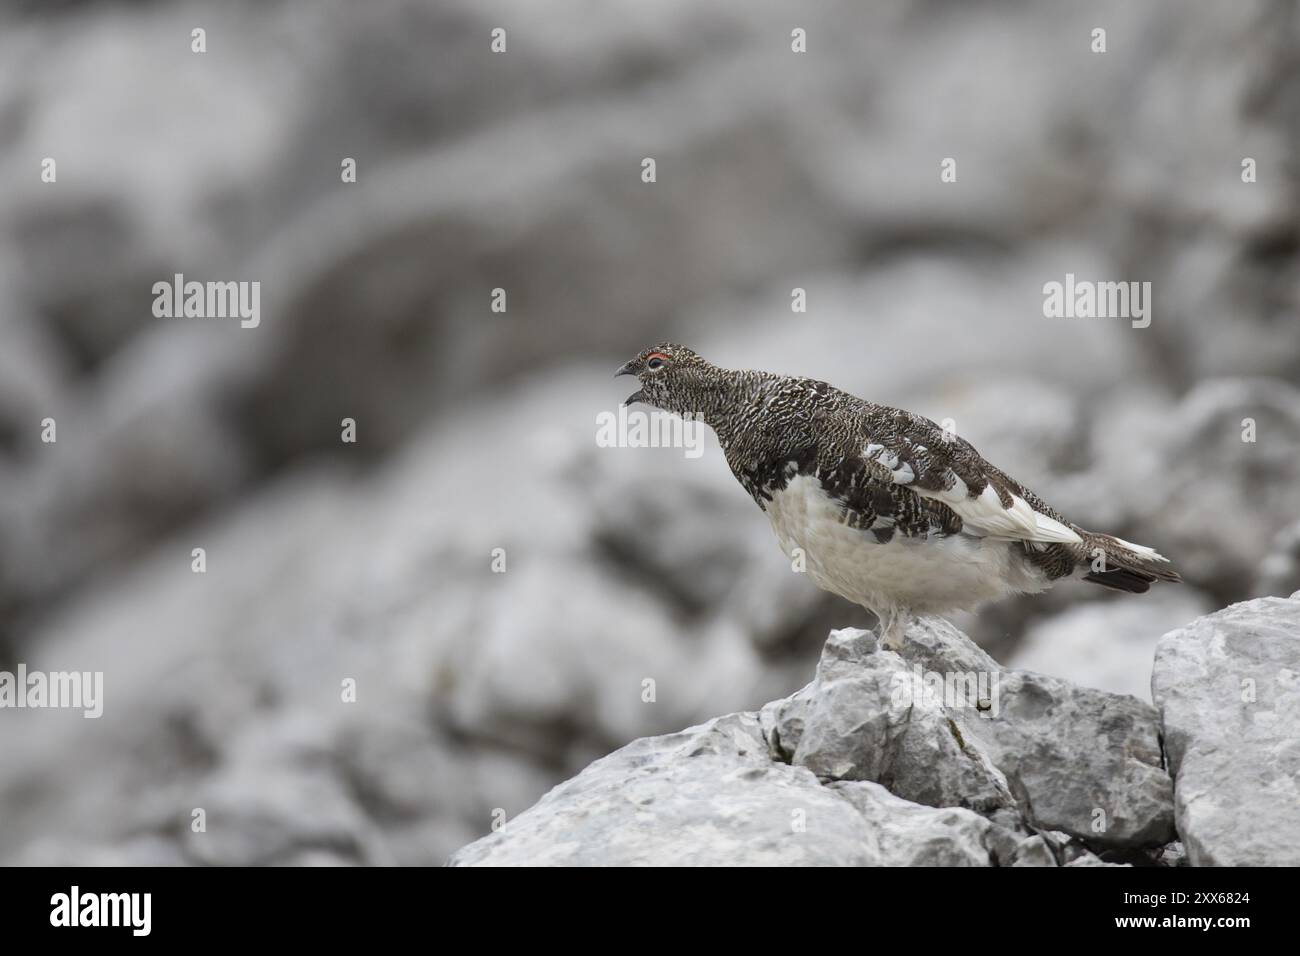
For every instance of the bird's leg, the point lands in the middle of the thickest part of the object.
(893, 627)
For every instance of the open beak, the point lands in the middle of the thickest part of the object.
(631, 369)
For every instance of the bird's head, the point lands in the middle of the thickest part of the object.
(675, 379)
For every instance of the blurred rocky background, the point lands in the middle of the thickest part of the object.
(477, 691)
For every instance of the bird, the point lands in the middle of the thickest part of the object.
(885, 508)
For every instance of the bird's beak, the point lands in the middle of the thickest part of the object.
(631, 369)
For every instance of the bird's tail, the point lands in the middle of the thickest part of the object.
(1115, 563)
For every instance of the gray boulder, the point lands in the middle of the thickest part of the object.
(711, 795)
(1228, 689)
(944, 724)
(862, 720)
(870, 765)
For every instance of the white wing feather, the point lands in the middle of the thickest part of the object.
(984, 515)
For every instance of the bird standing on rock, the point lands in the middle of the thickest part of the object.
(888, 510)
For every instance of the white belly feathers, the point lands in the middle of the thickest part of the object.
(924, 576)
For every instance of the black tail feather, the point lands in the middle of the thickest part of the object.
(1121, 579)
(1123, 567)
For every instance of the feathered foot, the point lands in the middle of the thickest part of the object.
(893, 629)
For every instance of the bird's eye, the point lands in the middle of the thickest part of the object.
(656, 361)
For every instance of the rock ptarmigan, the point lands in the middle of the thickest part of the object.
(886, 508)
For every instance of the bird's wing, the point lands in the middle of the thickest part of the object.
(870, 498)
(917, 454)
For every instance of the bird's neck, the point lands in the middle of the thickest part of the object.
(735, 406)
